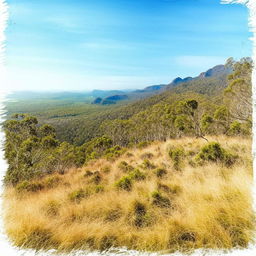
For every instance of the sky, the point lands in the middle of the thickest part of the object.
(119, 44)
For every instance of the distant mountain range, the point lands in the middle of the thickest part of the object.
(202, 80)
(209, 82)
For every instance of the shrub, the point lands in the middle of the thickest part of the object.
(235, 128)
(160, 172)
(177, 155)
(148, 165)
(215, 153)
(124, 166)
(175, 189)
(124, 183)
(137, 175)
(171, 188)
(88, 173)
(113, 214)
(114, 152)
(160, 200)
(52, 182)
(96, 179)
(99, 189)
(187, 237)
(29, 186)
(212, 152)
(77, 195)
(141, 218)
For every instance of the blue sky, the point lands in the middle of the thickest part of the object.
(119, 44)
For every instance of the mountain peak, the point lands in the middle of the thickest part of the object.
(215, 71)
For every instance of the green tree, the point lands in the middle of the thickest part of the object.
(238, 94)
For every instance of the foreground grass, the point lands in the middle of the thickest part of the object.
(145, 200)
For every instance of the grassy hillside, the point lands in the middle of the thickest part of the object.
(180, 194)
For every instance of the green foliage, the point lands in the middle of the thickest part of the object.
(136, 174)
(177, 155)
(215, 153)
(146, 164)
(125, 167)
(99, 189)
(206, 123)
(238, 94)
(114, 152)
(160, 172)
(235, 128)
(124, 183)
(160, 200)
(141, 217)
(77, 195)
(32, 150)
(182, 123)
(142, 144)
(29, 186)
(97, 147)
(52, 182)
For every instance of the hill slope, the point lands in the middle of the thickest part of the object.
(146, 199)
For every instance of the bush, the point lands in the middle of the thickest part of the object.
(235, 128)
(141, 218)
(77, 195)
(99, 189)
(160, 200)
(114, 152)
(137, 175)
(215, 153)
(171, 188)
(177, 155)
(29, 186)
(52, 182)
(148, 165)
(96, 179)
(88, 173)
(124, 166)
(160, 172)
(124, 183)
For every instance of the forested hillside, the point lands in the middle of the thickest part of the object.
(77, 121)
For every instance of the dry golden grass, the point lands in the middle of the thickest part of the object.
(207, 206)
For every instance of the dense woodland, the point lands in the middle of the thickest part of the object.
(198, 108)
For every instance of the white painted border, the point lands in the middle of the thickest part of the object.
(7, 250)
